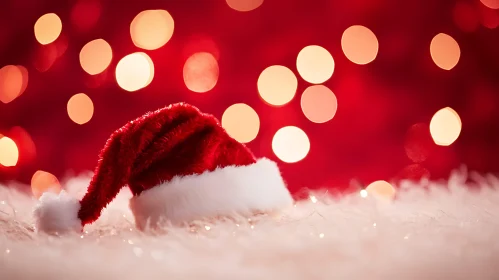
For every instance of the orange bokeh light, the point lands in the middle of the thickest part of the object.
(493, 4)
(9, 153)
(13, 82)
(42, 182)
(445, 51)
(315, 64)
(319, 104)
(445, 127)
(381, 189)
(151, 29)
(48, 28)
(290, 144)
(134, 71)
(201, 72)
(244, 5)
(80, 108)
(96, 56)
(241, 122)
(277, 85)
(359, 44)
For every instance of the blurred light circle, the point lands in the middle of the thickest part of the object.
(445, 51)
(9, 153)
(13, 82)
(201, 72)
(244, 5)
(241, 122)
(318, 103)
(277, 85)
(96, 56)
(134, 71)
(445, 127)
(418, 142)
(80, 108)
(359, 44)
(315, 64)
(290, 144)
(489, 18)
(48, 28)
(151, 29)
(381, 189)
(493, 4)
(42, 182)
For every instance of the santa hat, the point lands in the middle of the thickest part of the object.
(180, 165)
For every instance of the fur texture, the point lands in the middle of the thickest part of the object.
(224, 191)
(57, 214)
(433, 230)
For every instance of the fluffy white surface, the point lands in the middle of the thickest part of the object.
(434, 230)
(233, 189)
(57, 213)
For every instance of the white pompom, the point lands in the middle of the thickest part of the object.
(57, 213)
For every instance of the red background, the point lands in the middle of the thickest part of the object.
(377, 103)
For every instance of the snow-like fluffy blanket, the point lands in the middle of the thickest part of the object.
(433, 230)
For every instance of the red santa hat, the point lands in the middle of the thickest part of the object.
(180, 165)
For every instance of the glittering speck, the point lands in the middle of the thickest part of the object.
(2, 202)
(313, 199)
(374, 225)
(406, 237)
(363, 193)
(321, 235)
(252, 226)
(81, 236)
(237, 225)
(130, 241)
(7, 251)
(207, 227)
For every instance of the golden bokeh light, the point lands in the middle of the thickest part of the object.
(42, 182)
(9, 153)
(359, 44)
(13, 82)
(80, 108)
(201, 72)
(290, 144)
(445, 51)
(445, 127)
(381, 189)
(493, 4)
(48, 28)
(315, 64)
(277, 85)
(241, 122)
(319, 104)
(96, 56)
(134, 71)
(244, 5)
(151, 29)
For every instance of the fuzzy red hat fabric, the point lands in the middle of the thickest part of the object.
(180, 165)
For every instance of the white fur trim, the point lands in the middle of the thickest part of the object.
(230, 190)
(57, 213)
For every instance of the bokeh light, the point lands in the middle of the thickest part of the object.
(201, 72)
(445, 126)
(445, 51)
(134, 71)
(381, 189)
(244, 5)
(13, 82)
(48, 28)
(277, 85)
(96, 56)
(80, 108)
(9, 153)
(290, 144)
(418, 142)
(241, 122)
(152, 29)
(42, 182)
(493, 4)
(359, 44)
(315, 64)
(318, 103)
